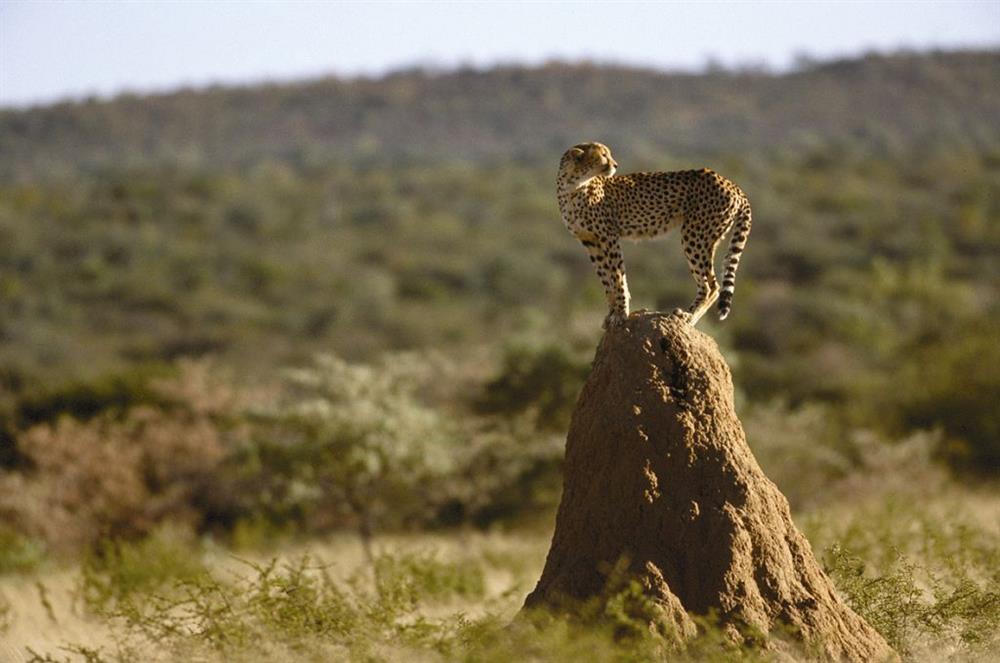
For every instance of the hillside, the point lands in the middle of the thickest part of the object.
(416, 212)
(879, 103)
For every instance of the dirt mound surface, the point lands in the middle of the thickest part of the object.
(659, 478)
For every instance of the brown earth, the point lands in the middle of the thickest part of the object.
(661, 485)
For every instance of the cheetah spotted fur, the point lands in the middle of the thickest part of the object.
(600, 209)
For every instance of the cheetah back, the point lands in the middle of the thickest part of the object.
(651, 204)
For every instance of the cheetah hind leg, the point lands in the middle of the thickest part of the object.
(701, 263)
(708, 292)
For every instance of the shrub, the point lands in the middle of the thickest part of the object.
(914, 608)
(507, 471)
(18, 553)
(541, 377)
(117, 571)
(923, 574)
(817, 460)
(803, 450)
(297, 610)
(355, 440)
(954, 384)
(87, 481)
(411, 578)
(85, 399)
(118, 474)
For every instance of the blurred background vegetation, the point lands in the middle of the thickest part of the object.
(288, 310)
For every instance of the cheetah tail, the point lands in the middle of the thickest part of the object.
(736, 245)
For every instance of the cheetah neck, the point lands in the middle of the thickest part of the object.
(579, 202)
(590, 189)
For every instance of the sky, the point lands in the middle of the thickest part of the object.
(76, 48)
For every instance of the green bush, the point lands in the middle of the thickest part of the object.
(954, 384)
(297, 610)
(411, 578)
(915, 608)
(354, 440)
(924, 573)
(85, 399)
(18, 553)
(541, 377)
(119, 571)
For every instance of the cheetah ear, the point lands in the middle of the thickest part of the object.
(576, 153)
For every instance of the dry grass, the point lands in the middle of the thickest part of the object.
(924, 571)
(49, 611)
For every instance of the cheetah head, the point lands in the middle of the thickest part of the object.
(582, 163)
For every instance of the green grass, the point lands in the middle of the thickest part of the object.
(923, 572)
(119, 573)
(18, 553)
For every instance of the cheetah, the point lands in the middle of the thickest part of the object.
(599, 208)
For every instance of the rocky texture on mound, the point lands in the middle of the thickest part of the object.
(659, 481)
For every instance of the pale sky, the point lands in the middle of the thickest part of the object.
(53, 50)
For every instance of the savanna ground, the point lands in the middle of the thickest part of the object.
(913, 550)
(930, 589)
(294, 384)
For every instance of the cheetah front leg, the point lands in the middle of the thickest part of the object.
(610, 266)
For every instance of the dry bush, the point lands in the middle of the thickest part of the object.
(120, 476)
(816, 460)
(205, 388)
(86, 477)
